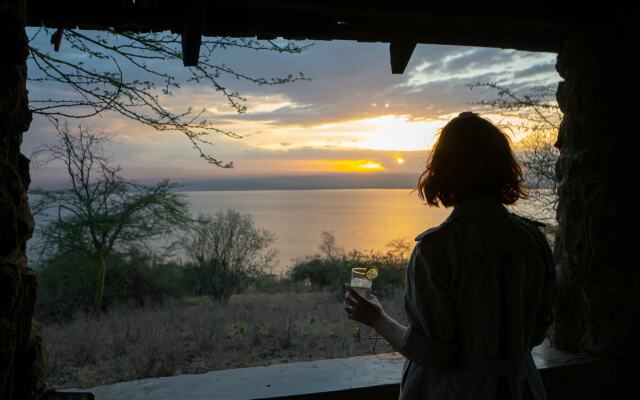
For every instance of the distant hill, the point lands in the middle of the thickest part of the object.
(303, 182)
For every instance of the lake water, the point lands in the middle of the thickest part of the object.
(360, 219)
(363, 219)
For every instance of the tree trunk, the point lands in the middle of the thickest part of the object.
(100, 289)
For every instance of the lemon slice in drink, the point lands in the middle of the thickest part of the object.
(359, 270)
(372, 273)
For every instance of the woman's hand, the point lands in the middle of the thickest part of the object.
(370, 312)
(367, 311)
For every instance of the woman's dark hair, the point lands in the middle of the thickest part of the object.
(471, 158)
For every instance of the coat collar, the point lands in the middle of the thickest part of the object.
(479, 207)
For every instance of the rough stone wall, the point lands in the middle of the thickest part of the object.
(597, 245)
(22, 359)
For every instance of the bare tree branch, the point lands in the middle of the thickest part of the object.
(537, 114)
(103, 85)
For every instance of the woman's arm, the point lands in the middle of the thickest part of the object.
(371, 313)
(391, 330)
(429, 339)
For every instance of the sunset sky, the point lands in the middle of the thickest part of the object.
(353, 116)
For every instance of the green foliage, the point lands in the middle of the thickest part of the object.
(324, 272)
(150, 278)
(66, 285)
(100, 209)
(214, 278)
(319, 271)
(67, 282)
(100, 212)
(264, 280)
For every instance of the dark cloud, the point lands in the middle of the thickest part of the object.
(547, 68)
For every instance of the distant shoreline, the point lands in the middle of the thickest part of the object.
(291, 188)
(301, 182)
(279, 182)
(376, 181)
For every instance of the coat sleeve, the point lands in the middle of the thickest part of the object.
(429, 338)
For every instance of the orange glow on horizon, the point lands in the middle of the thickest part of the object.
(361, 166)
(356, 166)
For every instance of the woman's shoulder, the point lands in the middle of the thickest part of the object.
(528, 220)
(436, 231)
(535, 228)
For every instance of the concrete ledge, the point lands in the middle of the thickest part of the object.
(273, 381)
(565, 375)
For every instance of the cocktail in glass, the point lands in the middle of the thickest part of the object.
(362, 281)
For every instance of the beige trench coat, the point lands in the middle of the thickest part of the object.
(479, 297)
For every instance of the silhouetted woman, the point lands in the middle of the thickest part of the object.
(480, 286)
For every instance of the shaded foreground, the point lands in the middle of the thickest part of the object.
(565, 376)
(196, 336)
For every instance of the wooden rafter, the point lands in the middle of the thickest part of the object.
(191, 35)
(358, 20)
(400, 52)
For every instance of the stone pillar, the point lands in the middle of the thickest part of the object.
(22, 359)
(597, 246)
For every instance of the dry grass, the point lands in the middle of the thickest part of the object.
(195, 336)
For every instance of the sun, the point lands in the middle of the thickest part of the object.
(371, 165)
(356, 165)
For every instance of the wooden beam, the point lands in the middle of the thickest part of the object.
(375, 21)
(400, 52)
(56, 38)
(191, 41)
(191, 36)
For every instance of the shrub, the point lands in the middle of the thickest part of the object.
(332, 272)
(226, 250)
(67, 282)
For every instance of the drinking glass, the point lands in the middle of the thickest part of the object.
(360, 282)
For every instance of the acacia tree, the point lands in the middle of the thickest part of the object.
(399, 248)
(329, 247)
(536, 113)
(129, 73)
(100, 211)
(335, 255)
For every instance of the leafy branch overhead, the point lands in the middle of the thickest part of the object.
(129, 73)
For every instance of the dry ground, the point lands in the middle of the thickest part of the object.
(194, 336)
